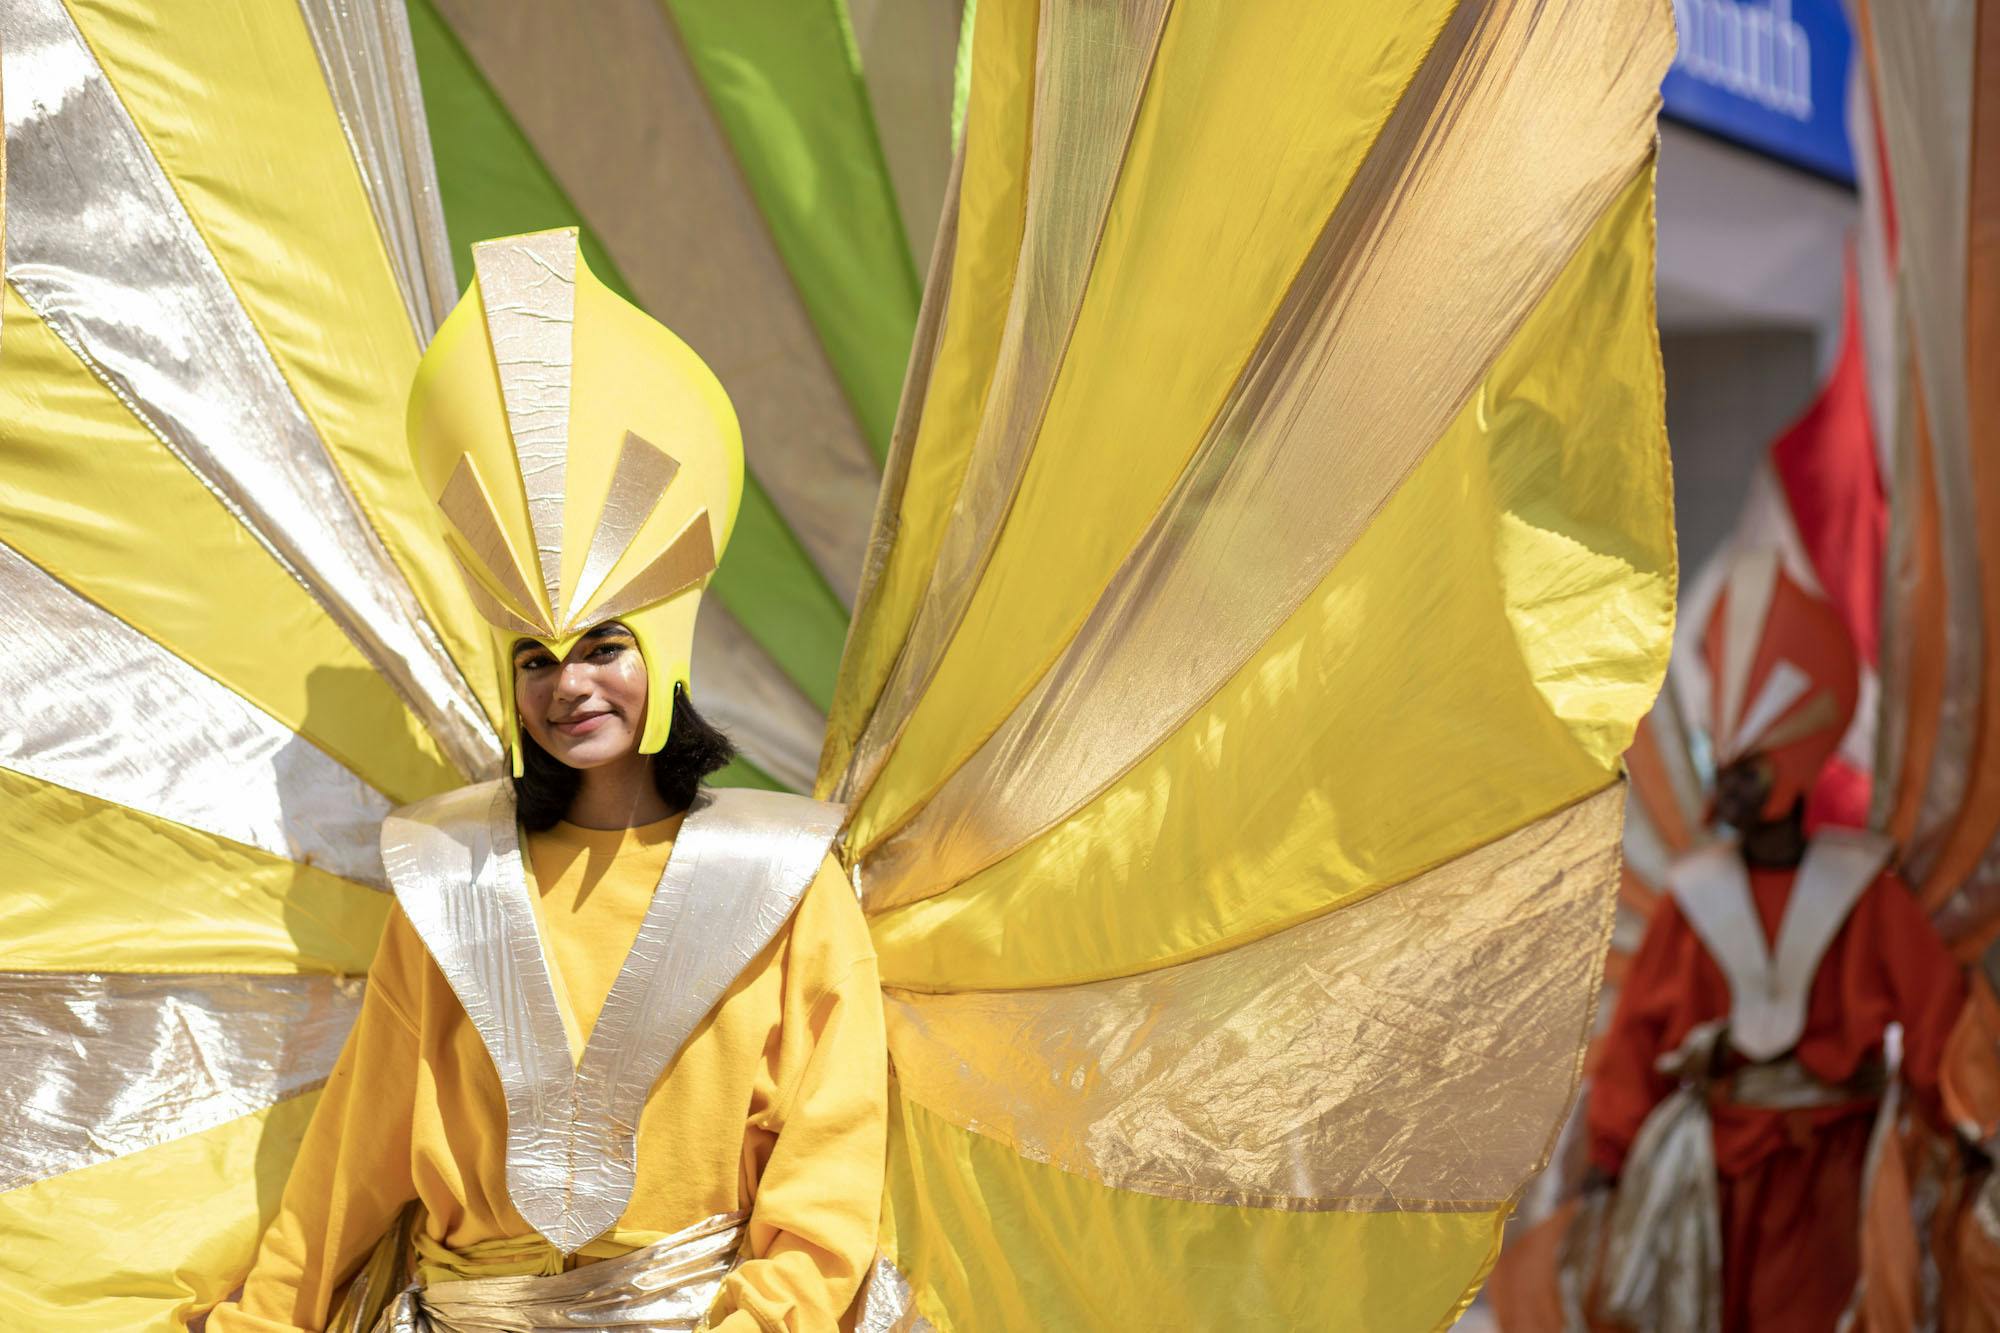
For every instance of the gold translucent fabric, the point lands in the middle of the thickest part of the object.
(1327, 1066)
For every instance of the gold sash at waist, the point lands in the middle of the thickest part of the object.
(668, 1285)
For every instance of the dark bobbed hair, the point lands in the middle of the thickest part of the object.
(695, 748)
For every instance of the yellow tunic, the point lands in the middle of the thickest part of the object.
(776, 1106)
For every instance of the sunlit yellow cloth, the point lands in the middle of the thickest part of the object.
(775, 1107)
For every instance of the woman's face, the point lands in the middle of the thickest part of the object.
(590, 708)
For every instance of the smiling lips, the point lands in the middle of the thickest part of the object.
(582, 724)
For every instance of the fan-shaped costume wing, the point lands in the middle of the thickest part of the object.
(225, 660)
(1274, 562)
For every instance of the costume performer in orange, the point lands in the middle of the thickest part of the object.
(1747, 1048)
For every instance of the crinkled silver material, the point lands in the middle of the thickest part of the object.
(738, 867)
(102, 249)
(94, 1067)
(527, 285)
(211, 759)
(661, 1288)
(886, 1303)
(371, 71)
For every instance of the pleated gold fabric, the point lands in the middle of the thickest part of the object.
(1327, 1066)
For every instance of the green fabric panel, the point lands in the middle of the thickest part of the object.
(494, 184)
(784, 78)
(743, 773)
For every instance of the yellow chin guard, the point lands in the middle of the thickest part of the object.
(587, 463)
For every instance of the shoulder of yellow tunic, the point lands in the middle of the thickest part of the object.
(829, 935)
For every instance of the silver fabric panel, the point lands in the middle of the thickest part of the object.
(1662, 1265)
(527, 285)
(211, 759)
(750, 697)
(738, 867)
(886, 1304)
(101, 248)
(371, 71)
(664, 1287)
(95, 1067)
(1769, 988)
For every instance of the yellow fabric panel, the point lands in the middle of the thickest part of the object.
(144, 1242)
(1221, 123)
(992, 1240)
(220, 100)
(990, 204)
(1437, 691)
(97, 887)
(92, 497)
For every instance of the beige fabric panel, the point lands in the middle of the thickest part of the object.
(613, 107)
(909, 60)
(1336, 1064)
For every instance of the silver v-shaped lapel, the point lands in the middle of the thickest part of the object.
(1769, 988)
(739, 865)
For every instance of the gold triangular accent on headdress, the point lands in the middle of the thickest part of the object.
(642, 476)
(688, 559)
(469, 506)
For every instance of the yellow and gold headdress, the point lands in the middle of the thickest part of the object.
(587, 463)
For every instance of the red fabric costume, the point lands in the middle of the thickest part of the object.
(1789, 1180)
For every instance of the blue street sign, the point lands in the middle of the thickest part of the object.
(1768, 74)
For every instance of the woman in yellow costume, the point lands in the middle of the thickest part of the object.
(636, 1073)
(1269, 563)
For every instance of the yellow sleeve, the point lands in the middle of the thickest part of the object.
(352, 1176)
(819, 1198)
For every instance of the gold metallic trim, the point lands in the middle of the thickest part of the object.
(95, 1067)
(467, 503)
(598, 100)
(455, 861)
(833, 766)
(133, 724)
(371, 72)
(527, 285)
(1093, 65)
(1300, 459)
(688, 559)
(103, 251)
(641, 477)
(1334, 1065)
(490, 608)
(665, 1287)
